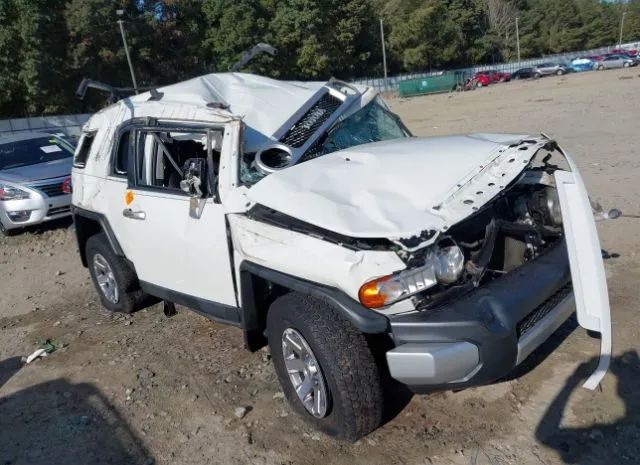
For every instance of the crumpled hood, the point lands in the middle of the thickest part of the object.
(398, 189)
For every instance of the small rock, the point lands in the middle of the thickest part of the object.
(240, 412)
(57, 323)
(129, 391)
(59, 273)
(278, 395)
(145, 373)
(84, 420)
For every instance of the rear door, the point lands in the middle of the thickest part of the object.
(178, 241)
(585, 259)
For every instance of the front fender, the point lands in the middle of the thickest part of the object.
(585, 259)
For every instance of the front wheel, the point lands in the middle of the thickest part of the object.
(625, 65)
(537, 76)
(559, 72)
(325, 367)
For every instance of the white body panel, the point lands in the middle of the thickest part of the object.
(175, 251)
(587, 268)
(311, 258)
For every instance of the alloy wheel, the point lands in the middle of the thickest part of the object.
(305, 373)
(105, 278)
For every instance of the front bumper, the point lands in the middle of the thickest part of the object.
(37, 209)
(482, 336)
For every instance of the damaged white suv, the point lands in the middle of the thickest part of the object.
(308, 216)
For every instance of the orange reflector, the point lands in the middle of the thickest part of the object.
(128, 197)
(369, 294)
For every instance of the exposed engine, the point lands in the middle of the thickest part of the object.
(516, 227)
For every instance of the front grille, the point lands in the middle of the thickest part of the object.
(315, 117)
(58, 211)
(51, 190)
(532, 319)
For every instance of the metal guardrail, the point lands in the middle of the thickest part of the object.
(69, 124)
(393, 81)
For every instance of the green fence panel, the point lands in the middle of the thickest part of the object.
(432, 84)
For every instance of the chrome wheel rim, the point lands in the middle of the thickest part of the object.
(105, 278)
(305, 373)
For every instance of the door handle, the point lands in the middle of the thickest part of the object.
(128, 213)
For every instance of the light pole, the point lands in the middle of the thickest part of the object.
(518, 39)
(384, 54)
(126, 51)
(621, 28)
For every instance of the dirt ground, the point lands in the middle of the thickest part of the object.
(151, 389)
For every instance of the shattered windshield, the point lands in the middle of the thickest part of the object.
(372, 123)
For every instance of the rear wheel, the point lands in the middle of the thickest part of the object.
(626, 65)
(325, 367)
(601, 68)
(115, 281)
(559, 72)
(537, 76)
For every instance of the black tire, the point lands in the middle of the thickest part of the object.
(625, 65)
(130, 296)
(601, 68)
(537, 76)
(347, 363)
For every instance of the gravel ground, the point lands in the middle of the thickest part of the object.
(150, 389)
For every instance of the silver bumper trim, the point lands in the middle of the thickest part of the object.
(433, 363)
(545, 327)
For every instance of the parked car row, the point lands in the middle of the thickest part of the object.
(35, 179)
(615, 59)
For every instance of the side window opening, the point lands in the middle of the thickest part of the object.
(84, 149)
(164, 159)
(121, 160)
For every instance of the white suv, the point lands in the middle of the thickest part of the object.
(308, 216)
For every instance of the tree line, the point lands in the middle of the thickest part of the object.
(48, 46)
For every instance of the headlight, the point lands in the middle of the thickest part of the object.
(448, 264)
(442, 264)
(12, 193)
(553, 206)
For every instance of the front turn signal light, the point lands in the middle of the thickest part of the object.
(372, 294)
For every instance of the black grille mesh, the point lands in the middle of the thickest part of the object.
(528, 323)
(311, 121)
(52, 190)
(58, 211)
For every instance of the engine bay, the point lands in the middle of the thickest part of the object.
(516, 227)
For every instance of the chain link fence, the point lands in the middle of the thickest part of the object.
(70, 125)
(393, 81)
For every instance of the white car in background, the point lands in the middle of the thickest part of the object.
(35, 180)
(306, 214)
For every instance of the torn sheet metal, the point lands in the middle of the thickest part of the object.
(264, 104)
(587, 267)
(400, 188)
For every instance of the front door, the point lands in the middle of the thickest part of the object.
(173, 224)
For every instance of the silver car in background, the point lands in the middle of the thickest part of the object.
(615, 61)
(550, 68)
(35, 179)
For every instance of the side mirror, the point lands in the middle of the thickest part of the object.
(192, 176)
